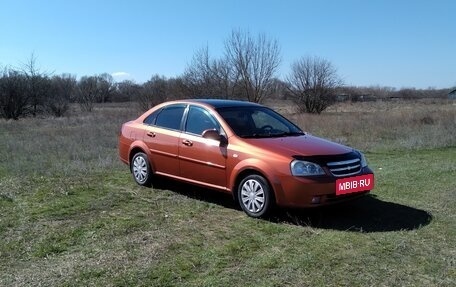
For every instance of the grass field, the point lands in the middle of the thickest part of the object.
(71, 215)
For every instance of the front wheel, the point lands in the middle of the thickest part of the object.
(140, 168)
(255, 196)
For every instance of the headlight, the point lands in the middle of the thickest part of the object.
(363, 159)
(305, 168)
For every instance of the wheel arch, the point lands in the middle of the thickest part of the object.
(243, 174)
(139, 147)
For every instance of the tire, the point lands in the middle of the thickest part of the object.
(255, 196)
(140, 169)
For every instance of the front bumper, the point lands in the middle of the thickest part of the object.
(293, 191)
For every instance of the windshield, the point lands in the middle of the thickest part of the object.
(257, 122)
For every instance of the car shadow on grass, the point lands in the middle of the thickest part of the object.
(195, 192)
(366, 214)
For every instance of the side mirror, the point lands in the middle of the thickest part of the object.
(214, 135)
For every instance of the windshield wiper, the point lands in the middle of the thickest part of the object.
(258, 136)
(275, 135)
(288, 134)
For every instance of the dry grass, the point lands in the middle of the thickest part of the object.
(374, 126)
(80, 142)
(84, 142)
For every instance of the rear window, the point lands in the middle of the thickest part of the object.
(150, 120)
(170, 117)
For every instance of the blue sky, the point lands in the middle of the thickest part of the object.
(389, 43)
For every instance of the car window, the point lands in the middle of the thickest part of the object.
(262, 120)
(170, 117)
(239, 120)
(258, 122)
(150, 120)
(199, 120)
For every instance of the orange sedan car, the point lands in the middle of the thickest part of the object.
(245, 149)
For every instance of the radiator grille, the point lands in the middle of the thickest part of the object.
(345, 168)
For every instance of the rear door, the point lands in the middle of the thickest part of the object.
(162, 138)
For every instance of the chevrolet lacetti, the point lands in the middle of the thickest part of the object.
(245, 149)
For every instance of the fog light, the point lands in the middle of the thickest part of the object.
(316, 199)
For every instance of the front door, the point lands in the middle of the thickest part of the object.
(202, 160)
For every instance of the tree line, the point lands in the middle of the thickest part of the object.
(247, 70)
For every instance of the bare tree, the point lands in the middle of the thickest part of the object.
(197, 78)
(313, 82)
(38, 85)
(154, 91)
(14, 99)
(256, 61)
(279, 89)
(62, 90)
(106, 87)
(226, 78)
(87, 92)
(246, 70)
(176, 88)
(128, 90)
(209, 77)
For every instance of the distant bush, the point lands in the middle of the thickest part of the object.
(14, 98)
(61, 92)
(313, 83)
(153, 92)
(30, 92)
(374, 93)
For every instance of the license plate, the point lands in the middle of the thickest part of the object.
(354, 184)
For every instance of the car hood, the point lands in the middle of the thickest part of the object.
(305, 145)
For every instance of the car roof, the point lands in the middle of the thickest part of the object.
(219, 103)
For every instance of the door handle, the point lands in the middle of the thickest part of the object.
(150, 134)
(187, 142)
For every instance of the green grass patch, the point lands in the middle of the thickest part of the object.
(105, 230)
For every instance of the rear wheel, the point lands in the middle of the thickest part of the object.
(140, 168)
(255, 196)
